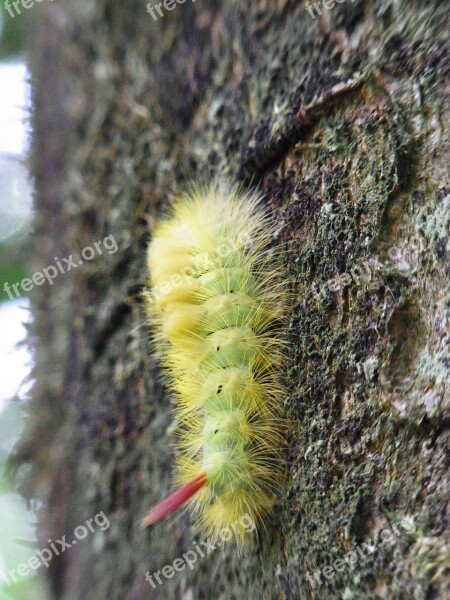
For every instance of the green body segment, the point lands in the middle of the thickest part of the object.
(224, 450)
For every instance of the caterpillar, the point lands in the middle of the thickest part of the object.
(217, 302)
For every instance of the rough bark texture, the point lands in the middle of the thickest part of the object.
(340, 122)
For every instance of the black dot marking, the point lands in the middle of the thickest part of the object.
(231, 291)
(218, 348)
(216, 431)
(219, 389)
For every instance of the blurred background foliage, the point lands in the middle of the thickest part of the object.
(11, 34)
(15, 192)
(17, 533)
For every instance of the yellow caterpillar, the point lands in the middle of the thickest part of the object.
(217, 303)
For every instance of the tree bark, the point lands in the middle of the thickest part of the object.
(340, 120)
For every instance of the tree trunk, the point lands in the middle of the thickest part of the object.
(340, 121)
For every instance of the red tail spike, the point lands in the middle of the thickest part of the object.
(175, 500)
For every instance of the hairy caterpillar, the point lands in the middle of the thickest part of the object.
(217, 303)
